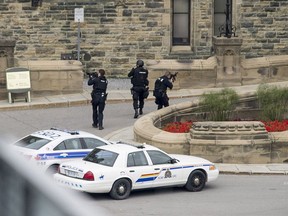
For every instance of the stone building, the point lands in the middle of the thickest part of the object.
(117, 32)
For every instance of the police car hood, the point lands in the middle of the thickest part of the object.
(187, 159)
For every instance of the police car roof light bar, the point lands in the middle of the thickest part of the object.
(137, 145)
(65, 130)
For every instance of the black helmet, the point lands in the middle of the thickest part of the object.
(140, 63)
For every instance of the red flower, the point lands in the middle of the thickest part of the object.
(276, 126)
(184, 127)
(178, 127)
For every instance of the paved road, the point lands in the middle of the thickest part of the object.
(15, 124)
(229, 195)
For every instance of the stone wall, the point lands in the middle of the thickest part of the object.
(263, 27)
(54, 77)
(117, 32)
(204, 74)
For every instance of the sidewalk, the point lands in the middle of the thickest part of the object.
(122, 95)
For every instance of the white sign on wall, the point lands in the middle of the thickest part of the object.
(79, 14)
(18, 80)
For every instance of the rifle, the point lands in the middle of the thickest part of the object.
(173, 76)
(92, 75)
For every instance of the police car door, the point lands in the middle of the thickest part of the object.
(70, 149)
(138, 169)
(169, 172)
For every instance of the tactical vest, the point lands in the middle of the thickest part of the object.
(101, 85)
(139, 77)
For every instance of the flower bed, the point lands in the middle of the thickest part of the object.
(276, 126)
(178, 127)
(184, 127)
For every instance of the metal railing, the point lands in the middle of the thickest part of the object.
(25, 191)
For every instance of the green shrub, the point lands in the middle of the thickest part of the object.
(272, 102)
(219, 104)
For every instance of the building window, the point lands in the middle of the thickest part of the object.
(181, 22)
(220, 15)
(36, 3)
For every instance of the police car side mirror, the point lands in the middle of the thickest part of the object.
(174, 160)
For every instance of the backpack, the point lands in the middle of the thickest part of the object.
(158, 83)
(157, 87)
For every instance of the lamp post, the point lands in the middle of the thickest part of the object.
(228, 23)
(78, 41)
(78, 17)
(228, 30)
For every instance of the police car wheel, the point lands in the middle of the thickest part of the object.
(196, 181)
(52, 169)
(121, 189)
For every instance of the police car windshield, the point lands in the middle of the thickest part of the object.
(100, 156)
(32, 142)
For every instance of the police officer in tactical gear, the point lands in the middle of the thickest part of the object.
(160, 90)
(140, 90)
(98, 97)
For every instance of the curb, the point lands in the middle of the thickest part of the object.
(251, 173)
(45, 103)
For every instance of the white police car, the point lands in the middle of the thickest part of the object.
(48, 148)
(118, 169)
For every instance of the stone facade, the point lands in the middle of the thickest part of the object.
(117, 32)
(57, 77)
(211, 72)
(263, 27)
(48, 78)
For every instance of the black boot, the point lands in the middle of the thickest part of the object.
(140, 111)
(101, 121)
(136, 114)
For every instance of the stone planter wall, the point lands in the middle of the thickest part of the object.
(146, 131)
(279, 147)
(231, 142)
(226, 142)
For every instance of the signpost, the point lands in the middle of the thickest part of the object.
(18, 81)
(78, 17)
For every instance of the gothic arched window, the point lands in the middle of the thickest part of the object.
(181, 22)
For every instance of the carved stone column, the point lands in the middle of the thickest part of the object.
(227, 51)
